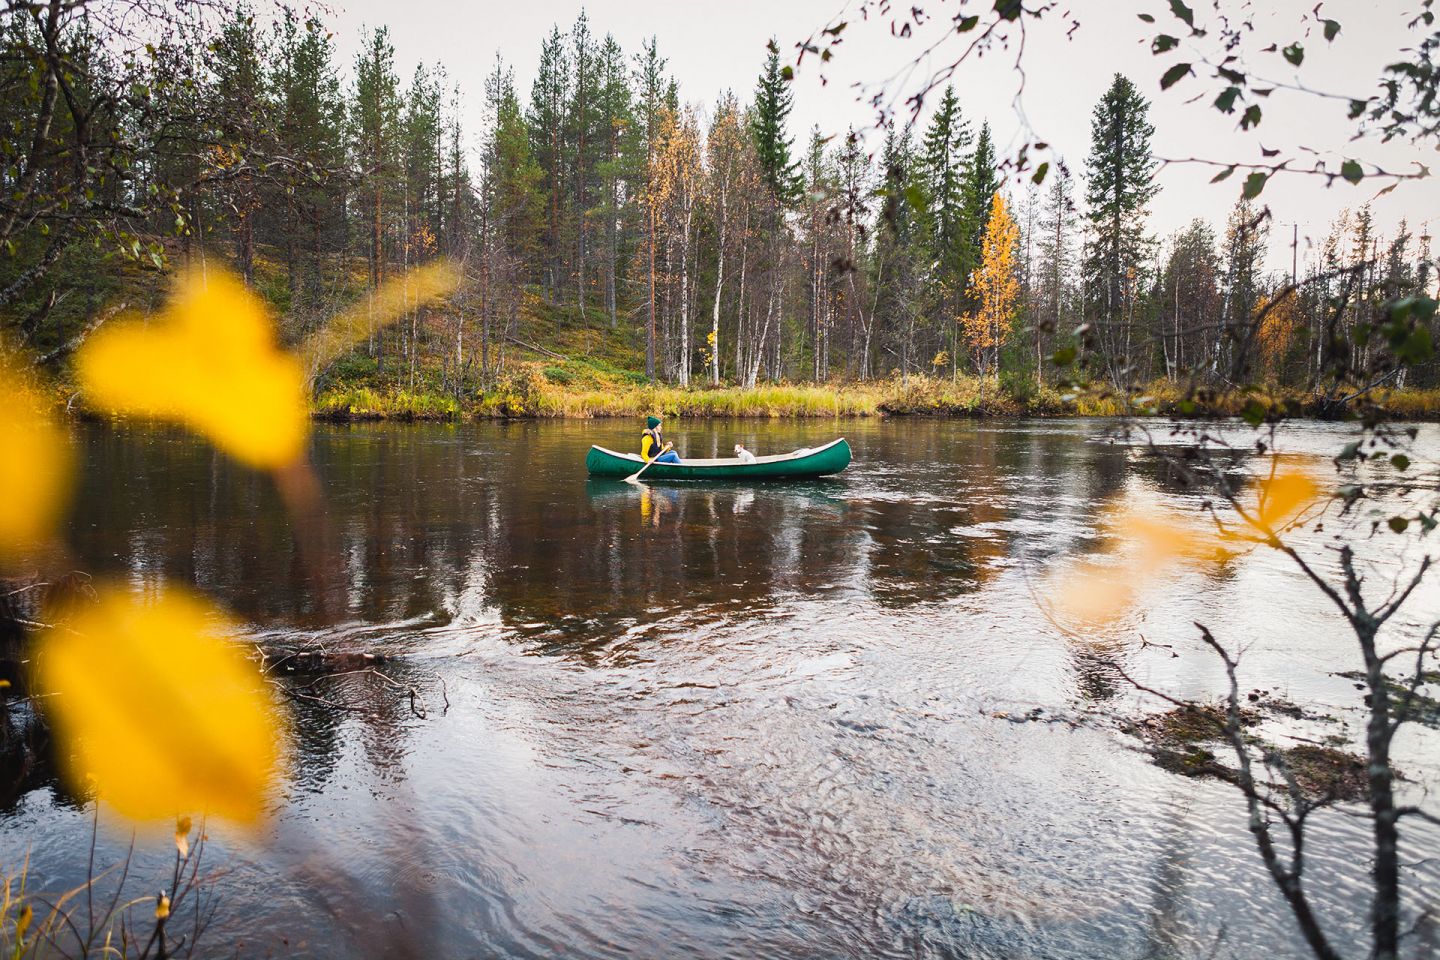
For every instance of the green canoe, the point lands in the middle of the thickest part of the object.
(801, 464)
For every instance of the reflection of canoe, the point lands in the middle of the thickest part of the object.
(821, 461)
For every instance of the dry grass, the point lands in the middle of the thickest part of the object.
(596, 389)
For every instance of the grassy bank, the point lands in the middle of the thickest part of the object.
(533, 391)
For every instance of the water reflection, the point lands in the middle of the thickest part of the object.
(791, 720)
(414, 514)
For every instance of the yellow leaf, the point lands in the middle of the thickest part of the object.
(182, 835)
(155, 703)
(388, 302)
(209, 361)
(35, 467)
(1284, 497)
(1159, 538)
(1092, 593)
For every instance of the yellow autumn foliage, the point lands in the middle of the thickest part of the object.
(209, 361)
(158, 709)
(1283, 497)
(995, 286)
(391, 300)
(36, 469)
(1143, 543)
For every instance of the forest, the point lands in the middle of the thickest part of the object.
(605, 221)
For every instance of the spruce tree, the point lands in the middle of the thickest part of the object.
(952, 246)
(943, 153)
(773, 145)
(981, 181)
(1120, 183)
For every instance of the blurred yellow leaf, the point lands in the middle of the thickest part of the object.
(1092, 593)
(162, 907)
(210, 361)
(182, 835)
(1283, 497)
(155, 703)
(1159, 537)
(391, 300)
(35, 469)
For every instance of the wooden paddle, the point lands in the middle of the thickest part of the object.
(636, 475)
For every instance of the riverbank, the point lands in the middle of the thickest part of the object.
(531, 394)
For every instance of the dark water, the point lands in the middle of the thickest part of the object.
(828, 719)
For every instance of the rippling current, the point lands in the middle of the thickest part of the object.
(814, 720)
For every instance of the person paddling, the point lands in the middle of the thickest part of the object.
(653, 445)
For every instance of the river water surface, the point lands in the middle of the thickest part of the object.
(828, 719)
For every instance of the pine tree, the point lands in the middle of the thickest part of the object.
(583, 136)
(773, 145)
(1247, 236)
(650, 77)
(616, 122)
(819, 197)
(1120, 183)
(853, 174)
(512, 212)
(1191, 301)
(308, 131)
(419, 189)
(548, 101)
(420, 167)
(1055, 260)
(374, 123)
(240, 108)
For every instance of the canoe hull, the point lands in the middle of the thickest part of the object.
(819, 462)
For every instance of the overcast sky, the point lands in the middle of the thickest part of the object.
(714, 46)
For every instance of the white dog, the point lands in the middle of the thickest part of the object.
(744, 454)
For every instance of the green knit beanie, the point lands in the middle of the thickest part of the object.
(652, 422)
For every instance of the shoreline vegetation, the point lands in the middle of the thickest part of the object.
(531, 393)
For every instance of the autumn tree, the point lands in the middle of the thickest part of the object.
(995, 288)
(728, 149)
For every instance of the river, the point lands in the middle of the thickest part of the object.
(827, 719)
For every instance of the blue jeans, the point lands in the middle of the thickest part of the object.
(669, 456)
